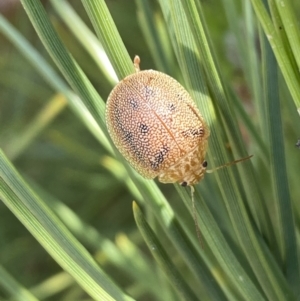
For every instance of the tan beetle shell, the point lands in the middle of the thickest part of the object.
(157, 127)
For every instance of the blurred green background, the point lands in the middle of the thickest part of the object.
(66, 162)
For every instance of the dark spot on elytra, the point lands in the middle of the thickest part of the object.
(148, 91)
(180, 98)
(159, 158)
(171, 107)
(133, 103)
(193, 132)
(128, 138)
(144, 128)
(130, 142)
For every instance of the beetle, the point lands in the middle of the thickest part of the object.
(156, 126)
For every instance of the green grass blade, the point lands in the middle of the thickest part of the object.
(53, 285)
(15, 147)
(149, 190)
(51, 77)
(65, 62)
(246, 290)
(161, 257)
(122, 254)
(86, 38)
(96, 106)
(13, 288)
(246, 38)
(53, 236)
(186, 245)
(285, 227)
(270, 279)
(230, 73)
(290, 26)
(282, 33)
(109, 36)
(150, 23)
(281, 55)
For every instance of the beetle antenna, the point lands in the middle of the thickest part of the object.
(229, 164)
(199, 236)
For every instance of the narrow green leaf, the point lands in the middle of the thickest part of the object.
(96, 106)
(13, 288)
(292, 79)
(122, 253)
(150, 23)
(227, 260)
(87, 39)
(269, 276)
(162, 258)
(109, 36)
(185, 243)
(65, 62)
(20, 142)
(290, 26)
(57, 284)
(52, 78)
(149, 190)
(285, 223)
(53, 235)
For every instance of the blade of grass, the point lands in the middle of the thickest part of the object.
(285, 233)
(13, 288)
(246, 119)
(290, 27)
(109, 37)
(54, 236)
(149, 190)
(65, 62)
(52, 78)
(282, 32)
(161, 257)
(148, 21)
(245, 37)
(86, 38)
(180, 237)
(237, 276)
(270, 279)
(229, 126)
(141, 265)
(93, 102)
(279, 51)
(122, 254)
(58, 283)
(21, 141)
